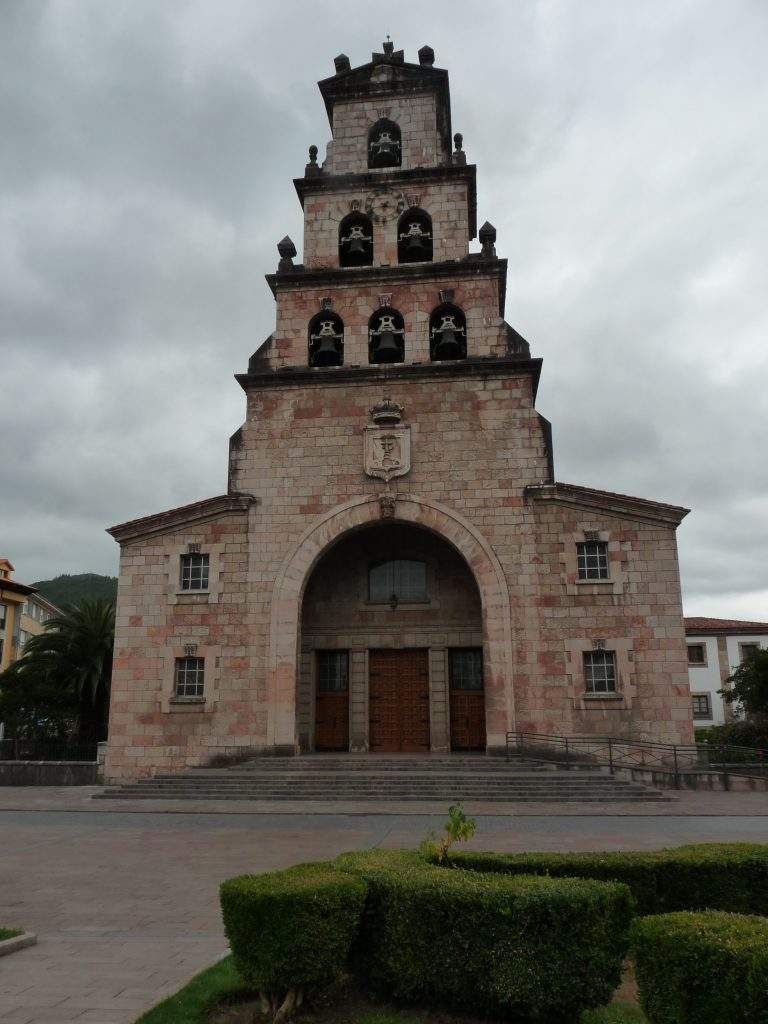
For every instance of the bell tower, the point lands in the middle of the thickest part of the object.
(392, 208)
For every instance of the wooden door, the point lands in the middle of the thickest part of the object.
(332, 703)
(467, 698)
(399, 701)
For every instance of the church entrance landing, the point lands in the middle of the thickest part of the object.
(399, 701)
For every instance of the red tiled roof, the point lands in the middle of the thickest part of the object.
(699, 624)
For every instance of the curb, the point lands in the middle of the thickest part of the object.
(17, 942)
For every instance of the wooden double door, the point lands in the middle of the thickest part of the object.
(399, 701)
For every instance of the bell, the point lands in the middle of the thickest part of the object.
(326, 346)
(356, 246)
(448, 340)
(384, 150)
(387, 348)
(415, 245)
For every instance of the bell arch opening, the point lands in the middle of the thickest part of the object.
(386, 336)
(331, 628)
(326, 339)
(414, 237)
(356, 240)
(384, 144)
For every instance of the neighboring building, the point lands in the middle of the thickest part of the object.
(393, 566)
(716, 648)
(23, 613)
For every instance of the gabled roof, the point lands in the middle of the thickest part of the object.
(184, 515)
(608, 501)
(700, 624)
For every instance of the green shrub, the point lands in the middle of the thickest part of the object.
(290, 931)
(543, 949)
(727, 876)
(748, 733)
(708, 968)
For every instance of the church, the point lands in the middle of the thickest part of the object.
(394, 566)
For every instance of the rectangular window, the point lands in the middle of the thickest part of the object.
(702, 706)
(697, 654)
(747, 650)
(600, 671)
(189, 678)
(332, 671)
(466, 668)
(402, 580)
(194, 572)
(592, 559)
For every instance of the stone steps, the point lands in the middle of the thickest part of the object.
(328, 778)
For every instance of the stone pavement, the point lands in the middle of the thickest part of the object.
(125, 902)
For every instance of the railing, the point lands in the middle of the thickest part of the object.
(676, 760)
(46, 750)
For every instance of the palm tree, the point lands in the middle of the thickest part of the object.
(74, 657)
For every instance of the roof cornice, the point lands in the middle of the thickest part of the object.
(185, 515)
(327, 376)
(474, 265)
(624, 505)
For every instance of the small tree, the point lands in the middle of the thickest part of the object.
(749, 685)
(458, 829)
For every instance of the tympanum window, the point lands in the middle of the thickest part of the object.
(332, 671)
(399, 580)
(466, 668)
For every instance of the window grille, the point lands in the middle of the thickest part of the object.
(592, 559)
(403, 579)
(190, 677)
(466, 668)
(194, 572)
(600, 671)
(702, 706)
(332, 671)
(748, 650)
(696, 654)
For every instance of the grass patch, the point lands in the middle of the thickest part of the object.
(218, 996)
(10, 933)
(215, 987)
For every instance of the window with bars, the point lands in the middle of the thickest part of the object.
(466, 668)
(401, 579)
(697, 654)
(189, 677)
(332, 671)
(592, 559)
(194, 572)
(600, 671)
(702, 705)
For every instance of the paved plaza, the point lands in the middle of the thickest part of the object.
(124, 901)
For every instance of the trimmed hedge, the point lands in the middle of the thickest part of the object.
(539, 948)
(708, 968)
(716, 876)
(292, 929)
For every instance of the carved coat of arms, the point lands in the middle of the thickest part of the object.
(387, 445)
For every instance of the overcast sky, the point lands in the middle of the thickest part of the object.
(145, 176)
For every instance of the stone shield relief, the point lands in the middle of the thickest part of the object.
(387, 452)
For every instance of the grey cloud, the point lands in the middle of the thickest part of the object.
(145, 179)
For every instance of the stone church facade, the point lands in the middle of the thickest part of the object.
(394, 566)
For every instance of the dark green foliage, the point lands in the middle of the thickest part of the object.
(72, 590)
(63, 675)
(717, 876)
(751, 733)
(292, 930)
(749, 685)
(536, 948)
(708, 968)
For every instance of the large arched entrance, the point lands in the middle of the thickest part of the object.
(290, 674)
(391, 646)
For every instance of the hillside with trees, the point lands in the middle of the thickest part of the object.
(73, 590)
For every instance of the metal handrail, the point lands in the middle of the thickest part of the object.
(675, 759)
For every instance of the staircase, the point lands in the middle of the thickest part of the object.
(322, 778)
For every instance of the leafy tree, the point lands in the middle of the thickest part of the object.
(63, 675)
(66, 590)
(749, 685)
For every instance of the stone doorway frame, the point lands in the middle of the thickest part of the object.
(288, 593)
